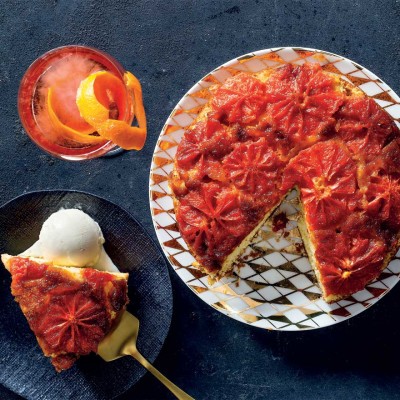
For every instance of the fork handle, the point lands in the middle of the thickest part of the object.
(179, 393)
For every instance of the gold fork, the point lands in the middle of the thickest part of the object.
(122, 342)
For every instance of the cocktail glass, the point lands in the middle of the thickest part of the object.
(64, 68)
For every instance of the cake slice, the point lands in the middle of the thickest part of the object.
(347, 246)
(70, 310)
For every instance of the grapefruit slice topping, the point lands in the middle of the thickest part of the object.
(220, 206)
(365, 127)
(199, 152)
(391, 157)
(254, 167)
(387, 163)
(193, 226)
(75, 324)
(326, 176)
(350, 255)
(211, 221)
(205, 138)
(302, 102)
(240, 99)
(383, 199)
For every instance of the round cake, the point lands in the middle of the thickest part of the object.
(260, 136)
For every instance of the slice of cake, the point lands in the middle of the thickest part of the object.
(70, 310)
(347, 246)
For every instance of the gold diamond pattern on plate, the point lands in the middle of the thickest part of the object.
(273, 285)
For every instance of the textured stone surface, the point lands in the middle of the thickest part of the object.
(169, 45)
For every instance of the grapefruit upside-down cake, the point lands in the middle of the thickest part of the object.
(69, 309)
(261, 135)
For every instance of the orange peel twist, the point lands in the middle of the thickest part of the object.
(102, 100)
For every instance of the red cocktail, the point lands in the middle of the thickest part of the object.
(48, 105)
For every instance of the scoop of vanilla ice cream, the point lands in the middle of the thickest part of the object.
(71, 237)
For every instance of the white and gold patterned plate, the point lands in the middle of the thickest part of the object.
(273, 286)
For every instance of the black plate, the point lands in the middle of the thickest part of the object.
(23, 368)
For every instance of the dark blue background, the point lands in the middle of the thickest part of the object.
(169, 45)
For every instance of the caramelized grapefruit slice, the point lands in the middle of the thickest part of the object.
(74, 324)
(383, 199)
(204, 138)
(387, 163)
(211, 222)
(219, 204)
(194, 224)
(365, 127)
(254, 168)
(349, 257)
(391, 157)
(302, 101)
(240, 99)
(326, 176)
(199, 153)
